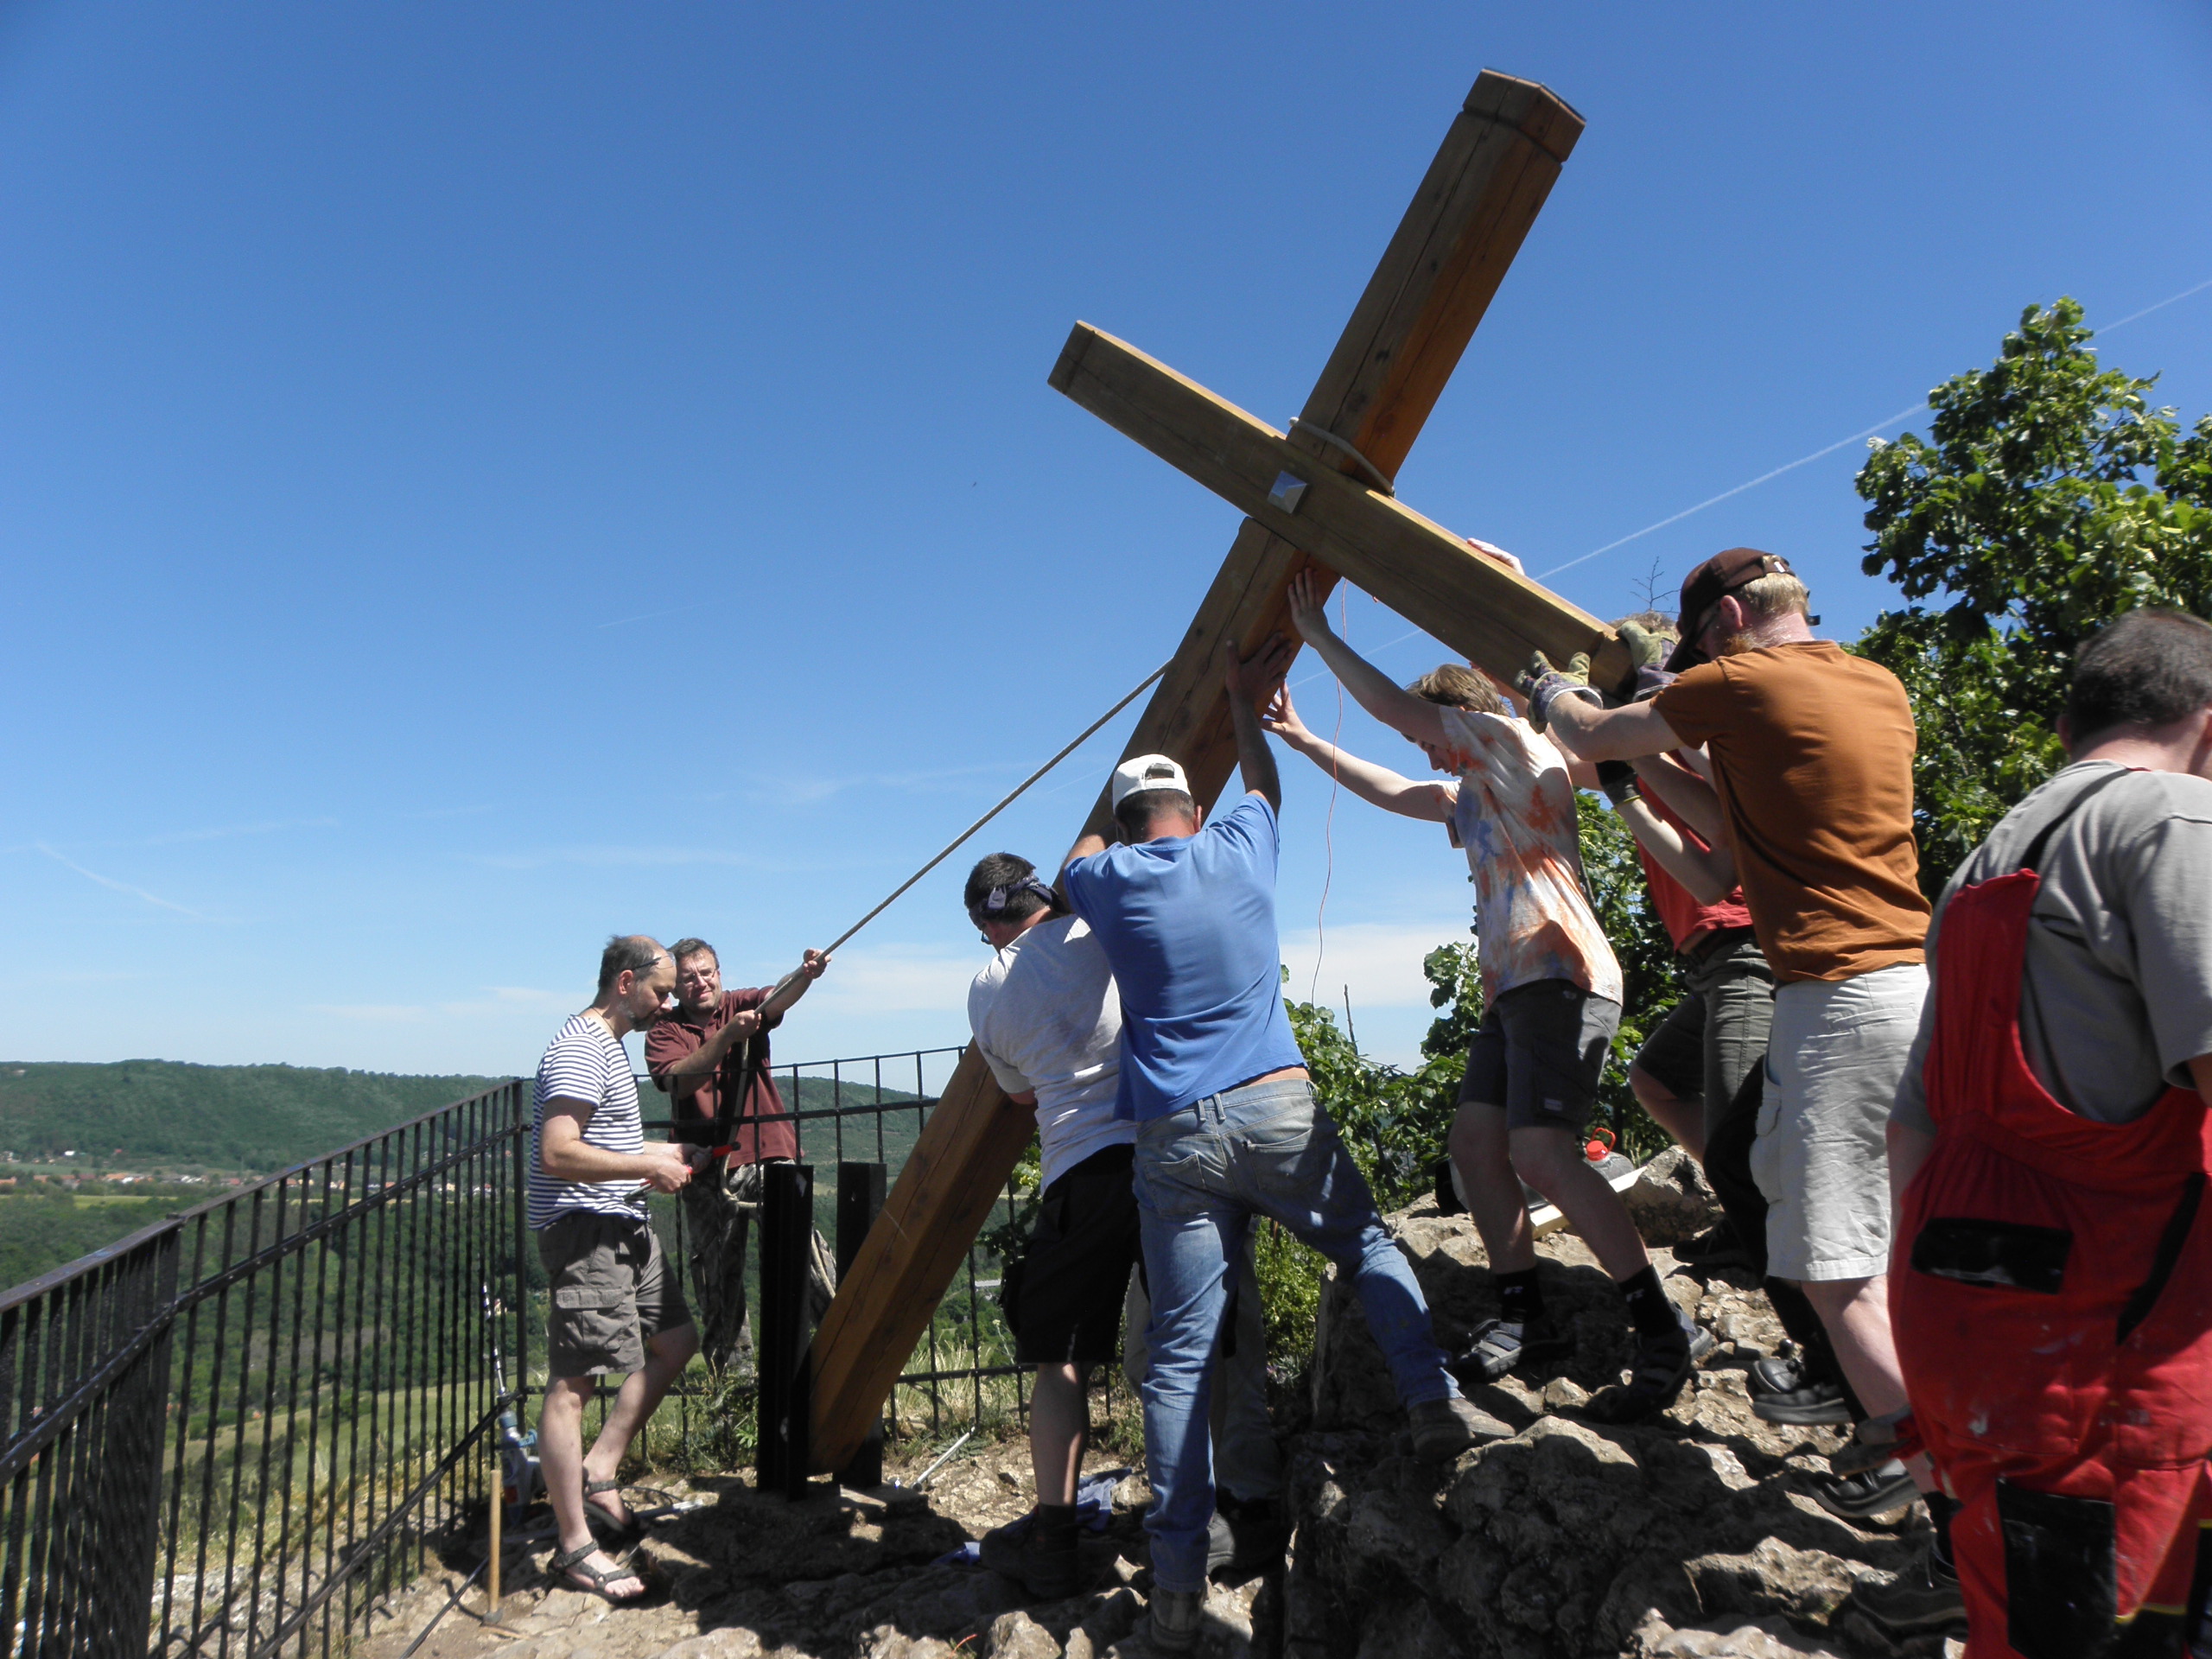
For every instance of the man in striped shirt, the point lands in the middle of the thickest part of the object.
(613, 1306)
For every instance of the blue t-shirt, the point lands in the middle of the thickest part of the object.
(1189, 924)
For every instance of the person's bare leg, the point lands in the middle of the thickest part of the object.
(1059, 1422)
(1482, 1156)
(1856, 1312)
(1551, 1161)
(561, 1455)
(667, 1353)
(1682, 1119)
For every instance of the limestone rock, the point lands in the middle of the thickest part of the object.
(715, 1645)
(1769, 1639)
(1670, 1202)
(1017, 1635)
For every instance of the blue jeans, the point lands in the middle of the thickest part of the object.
(1265, 1149)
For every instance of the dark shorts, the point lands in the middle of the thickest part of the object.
(611, 1293)
(1716, 1036)
(1064, 1298)
(1540, 1052)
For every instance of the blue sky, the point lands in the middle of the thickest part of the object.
(473, 478)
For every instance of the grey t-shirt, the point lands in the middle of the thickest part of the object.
(2117, 995)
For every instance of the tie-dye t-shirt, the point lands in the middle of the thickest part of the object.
(1515, 818)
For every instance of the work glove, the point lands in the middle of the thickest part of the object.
(1543, 685)
(1618, 778)
(1647, 657)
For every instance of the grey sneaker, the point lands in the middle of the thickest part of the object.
(1444, 1428)
(1925, 1597)
(1175, 1619)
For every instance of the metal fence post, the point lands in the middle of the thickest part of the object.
(859, 1196)
(786, 1244)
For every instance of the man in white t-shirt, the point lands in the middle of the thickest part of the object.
(1047, 1019)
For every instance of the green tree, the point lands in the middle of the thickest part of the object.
(2048, 498)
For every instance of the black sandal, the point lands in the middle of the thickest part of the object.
(1661, 1367)
(619, 1532)
(579, 1560)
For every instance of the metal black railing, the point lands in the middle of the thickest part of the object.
(229, 1433)
(871, 1108)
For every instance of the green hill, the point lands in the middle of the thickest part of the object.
(137, 1113)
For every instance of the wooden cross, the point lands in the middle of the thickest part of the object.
(1312, 489)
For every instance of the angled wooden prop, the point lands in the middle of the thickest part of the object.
(1474, 207)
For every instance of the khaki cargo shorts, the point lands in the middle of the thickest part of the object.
(611, 1293)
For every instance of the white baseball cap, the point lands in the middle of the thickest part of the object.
(1145, 772)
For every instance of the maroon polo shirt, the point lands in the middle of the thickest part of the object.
(675, 1035)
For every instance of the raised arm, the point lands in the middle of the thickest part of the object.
(1708, 872)
(1371, 783)
(1396, 707)
(1247, 684)
(1687, 796)
(792, 986)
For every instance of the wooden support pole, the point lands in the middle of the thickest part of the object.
(1467, 220)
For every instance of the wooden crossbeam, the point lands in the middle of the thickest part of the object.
(1467, 220)
(1490, 613)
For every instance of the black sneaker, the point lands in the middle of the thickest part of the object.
(1498, 1346)
(1783, 1391)
(1875, 1492)
(1244, 1539)
(1925, 1597)
(1039, 1558)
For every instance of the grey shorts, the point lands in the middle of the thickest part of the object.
(1838, 1053)
(611, 1293)
(1540, 1052)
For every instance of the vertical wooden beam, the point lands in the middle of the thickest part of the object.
(1436, 276)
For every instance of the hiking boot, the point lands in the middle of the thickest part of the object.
(1873, 1491)
(1783, 1391)
(1498, 1346)
(1444, 1428)
(1038, 1557)
(1175, 1619)
(1244, 1539)
(1663, 1365)
(1925, 1597)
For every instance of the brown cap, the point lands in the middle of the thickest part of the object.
(1704, 588)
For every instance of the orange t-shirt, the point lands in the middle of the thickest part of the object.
(1812, 756)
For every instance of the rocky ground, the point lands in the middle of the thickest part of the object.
(1695, 1535)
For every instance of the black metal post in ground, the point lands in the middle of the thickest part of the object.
(786, 1242)
(859, 1196)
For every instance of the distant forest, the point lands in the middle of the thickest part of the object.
(147, 1115)
(135, 1113)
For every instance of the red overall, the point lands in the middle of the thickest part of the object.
(2054, 1321)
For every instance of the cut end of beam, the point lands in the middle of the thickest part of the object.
(1531, 108)
(1063, 372)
